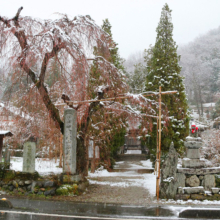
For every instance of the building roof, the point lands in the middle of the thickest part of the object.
(5, 133)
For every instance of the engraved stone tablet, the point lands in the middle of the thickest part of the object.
(29, 157)
(97, 152)
(7, 157)
(69, 141)
(91, 145)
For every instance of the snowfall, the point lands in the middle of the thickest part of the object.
(147, 180)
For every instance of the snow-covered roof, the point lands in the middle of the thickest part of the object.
(212, 104)
(206, 105)
(5, 133)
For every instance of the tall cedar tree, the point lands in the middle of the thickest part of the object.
(115, 124)
(164, 70)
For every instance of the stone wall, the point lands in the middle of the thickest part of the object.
(21, 183)
(193, 180)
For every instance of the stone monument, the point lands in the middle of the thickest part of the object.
(69, 146)
(29, 157)
(170, 179)
(192, 159)
(6, 157)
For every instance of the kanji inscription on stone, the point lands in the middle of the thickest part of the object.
(69, 141)
(29, 153)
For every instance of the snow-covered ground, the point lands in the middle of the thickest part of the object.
(119, 179)
(126, 179)
(42, 166)
(131, 178)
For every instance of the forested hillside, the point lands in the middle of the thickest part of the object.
(200, 61)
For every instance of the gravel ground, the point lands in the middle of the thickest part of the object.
(120, 195)
(119, 187)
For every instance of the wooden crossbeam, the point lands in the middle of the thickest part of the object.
(110, 99)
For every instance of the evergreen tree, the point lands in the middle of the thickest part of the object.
(164, 70)
(136, 80)
(111, 123)
(115, 57)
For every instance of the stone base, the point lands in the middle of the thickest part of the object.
(68, 178)
(197, 139)
(193, 163)
(201, 171)
(193, 153)
(192, 144)
(194, 190)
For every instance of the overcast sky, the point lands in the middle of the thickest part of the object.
(133, 21)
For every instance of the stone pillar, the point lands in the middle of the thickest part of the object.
(29, 153)
(69, 141)
(7, 157)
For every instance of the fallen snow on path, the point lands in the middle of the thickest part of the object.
(133, 152)
(146, 163)
(42, 166)
(147, 180)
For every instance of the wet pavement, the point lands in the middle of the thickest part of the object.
(87, 209)
(26, 209)
(72, 210)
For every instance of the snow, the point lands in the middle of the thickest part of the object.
(169, 179)
(133, 152)
(4, 132)
(147, 181)
(43, 166)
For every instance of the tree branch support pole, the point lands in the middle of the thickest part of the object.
(159, 147)
(1, 146)
(61, 151)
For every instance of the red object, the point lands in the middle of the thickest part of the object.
(194, 129)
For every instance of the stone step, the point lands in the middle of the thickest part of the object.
(191, 190)
(150, 170)
(131, 157)
(199, 171)
(133, 147)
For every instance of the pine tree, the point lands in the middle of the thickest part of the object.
(164, 70)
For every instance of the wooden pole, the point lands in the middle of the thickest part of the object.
(61, 151)
(159, 154)
(156, 164)
(1, 146)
